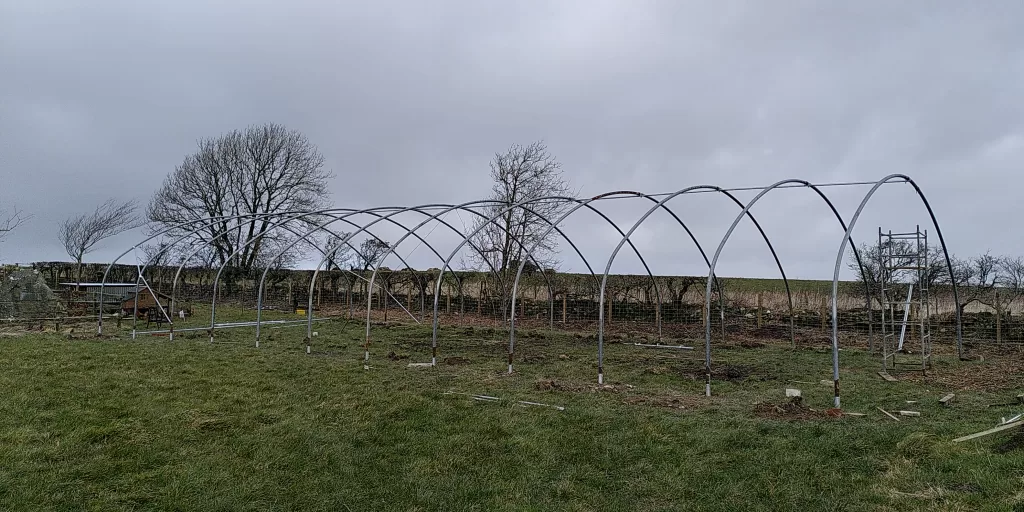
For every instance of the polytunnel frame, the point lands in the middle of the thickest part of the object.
(284, 219)
(467, 238)
(337, 214)
(439, 218)
(522, 204)
(343, 215)
(712, 279)
(409, 232)
(721, 246)
(624, 240)
(282, 222)
(418, 208)
(839, 261)
(847, 238)
(209, 221)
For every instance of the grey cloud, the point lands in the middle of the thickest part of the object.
(408, 101)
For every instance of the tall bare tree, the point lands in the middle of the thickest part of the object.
(9, 221)
(371, 252)
(338, 253)
(267, 170)
(520, 174)
(874, 274)
(81, 234)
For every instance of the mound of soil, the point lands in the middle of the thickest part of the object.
(666, 401)
(721, 372)
(396, 357)
(1013, 443)
(794, 409)
(553, 385)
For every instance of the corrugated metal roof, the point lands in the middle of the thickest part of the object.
(105, 285)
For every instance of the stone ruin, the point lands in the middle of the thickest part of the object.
(24, 295)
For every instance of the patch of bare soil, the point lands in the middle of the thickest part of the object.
(455, 360)
(794, 409)
(695, 370)
(1015, 442)
(994, 373)
(394, 356)
(666, 401)
(554, 385)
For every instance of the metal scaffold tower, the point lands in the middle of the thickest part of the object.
(904, 276)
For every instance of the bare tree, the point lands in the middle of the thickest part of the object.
(520, 174)
(265, 170)
(975, 278)
(80, 234)
(874, 274)
(338, 253)
(9, 221)
(371, 251)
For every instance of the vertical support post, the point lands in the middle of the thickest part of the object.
(565, 306)
(823, 314)
(760, 308)
(999, 317)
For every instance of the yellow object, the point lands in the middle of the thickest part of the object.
(300, 311)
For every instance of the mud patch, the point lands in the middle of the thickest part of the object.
(1015, 442)
(395, 356)
(794, 409)
(665, 401)
(554, 385)
(730, 372)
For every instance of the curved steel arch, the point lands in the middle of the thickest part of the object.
(581, 204)
(210, 221)
(343, 218)
(438, 217)
(712, 279)
(721, 246)
(292, 216)
(445, 265)
(839, 262)
(312, 283)
(523, 205)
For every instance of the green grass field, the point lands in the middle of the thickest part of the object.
(115, 424)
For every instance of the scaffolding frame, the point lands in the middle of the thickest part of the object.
(903, 262)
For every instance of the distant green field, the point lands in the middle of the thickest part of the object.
(114, 424)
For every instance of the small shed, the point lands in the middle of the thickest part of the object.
(146, 302)
(86, 297)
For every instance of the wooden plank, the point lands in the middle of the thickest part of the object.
(887, 377)
(909, 413)
(990, 431)
(887, 414)
(946, 399)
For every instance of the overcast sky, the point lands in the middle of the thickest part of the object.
(408, 101)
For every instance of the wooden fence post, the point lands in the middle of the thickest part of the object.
(760, 307)
(999, 319)
(823, 314)
(565, 306)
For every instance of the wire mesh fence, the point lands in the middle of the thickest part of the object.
(669, 307)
